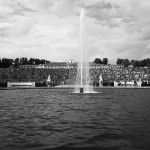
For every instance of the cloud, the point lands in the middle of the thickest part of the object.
(4, 10)
(50, 29)
(63, 8)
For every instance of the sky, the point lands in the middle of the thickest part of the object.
(49, 29)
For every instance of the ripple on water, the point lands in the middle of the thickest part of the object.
(58, 119)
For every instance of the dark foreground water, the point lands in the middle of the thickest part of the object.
(115, 119)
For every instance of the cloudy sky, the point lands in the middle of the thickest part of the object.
(49, 29)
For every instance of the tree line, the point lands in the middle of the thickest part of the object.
(6, 63)
(134, 63)
(99, 61)
(125, 62)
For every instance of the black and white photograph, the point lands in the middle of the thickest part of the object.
(74, 75)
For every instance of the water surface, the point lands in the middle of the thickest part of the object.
(43, 119)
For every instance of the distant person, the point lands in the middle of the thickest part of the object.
(125, 82)
(135, 83)
(119, 83)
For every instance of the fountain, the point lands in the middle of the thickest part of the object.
(83, 77)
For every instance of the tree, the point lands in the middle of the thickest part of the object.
(24, 61)
(31, 61)
(37, 61)
(43, 61)
(132, 62)
(16, 62)
(148, 62)
(5, 62)
(119, 61)
(136, 63)
(97, 61)
(0, 63)
(126, 63)
(105, 61)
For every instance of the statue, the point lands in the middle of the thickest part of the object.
(100, 80)
(48, 81)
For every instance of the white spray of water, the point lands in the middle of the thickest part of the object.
(83, 77)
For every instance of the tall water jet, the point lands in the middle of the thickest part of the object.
(83, 77)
